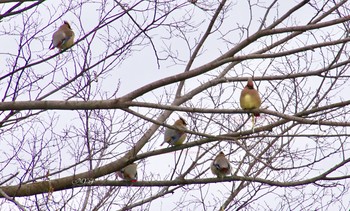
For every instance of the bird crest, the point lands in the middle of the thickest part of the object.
(183, 121)
(250, 83)
(66, 22)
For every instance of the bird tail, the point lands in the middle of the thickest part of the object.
(166, 141)
(51, 47)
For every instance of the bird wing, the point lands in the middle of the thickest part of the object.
(168, 134)
(130, 172)
(171, 135)
(176, 136)
(222, 163)
(69, 34)
(60, 37)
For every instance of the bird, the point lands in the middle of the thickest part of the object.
(250, 99)
(128, 173)
(177, 136)
(63, 38)
(220, 166)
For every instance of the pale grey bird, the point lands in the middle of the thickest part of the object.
(128, 173)
(62, 38)
(220, 166)
(176, 136)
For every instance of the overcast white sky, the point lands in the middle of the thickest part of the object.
(139, 69)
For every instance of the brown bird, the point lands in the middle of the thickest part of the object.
(178, 136)
(220, 166)
(250, 98)
(63, 38)
(128, 173)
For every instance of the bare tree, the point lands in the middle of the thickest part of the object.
(71, 119)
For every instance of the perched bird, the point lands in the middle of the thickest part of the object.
(128, 173)
(63, 38)
(250, 98)
(176, 136)
(220, 166)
